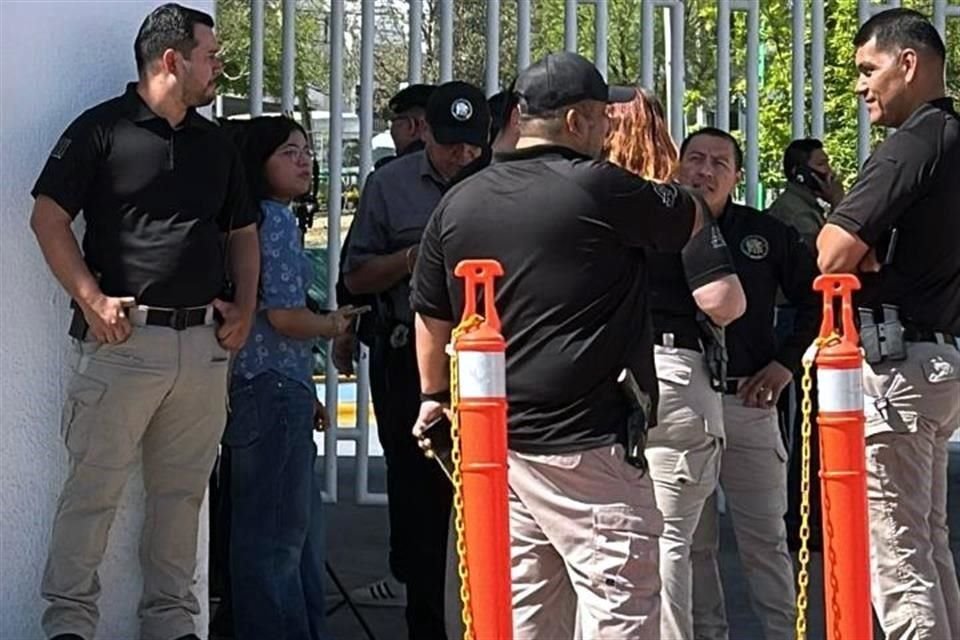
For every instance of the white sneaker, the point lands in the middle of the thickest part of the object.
(386, 592)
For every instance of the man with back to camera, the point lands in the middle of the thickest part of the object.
(584, 525)
(158, 186)
(897, 229)
(395, 205)
(769, 256)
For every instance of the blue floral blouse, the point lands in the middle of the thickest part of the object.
(285, 275)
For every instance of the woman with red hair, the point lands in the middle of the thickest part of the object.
(639, 140)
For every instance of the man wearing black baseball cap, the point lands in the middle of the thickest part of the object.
(570, 232)
(395, 204)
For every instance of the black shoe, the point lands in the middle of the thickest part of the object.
(189, 636)
(66, 636)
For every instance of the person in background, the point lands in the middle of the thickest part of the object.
(168, 226)
(273, 404)
(407, 122)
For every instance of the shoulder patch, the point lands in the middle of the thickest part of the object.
(755, 247)
(666, 192)
(60, 148)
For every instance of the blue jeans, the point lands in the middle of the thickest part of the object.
(270, 437)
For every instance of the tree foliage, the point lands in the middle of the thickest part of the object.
(624, 35)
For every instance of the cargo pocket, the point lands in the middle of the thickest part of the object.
(625, 552)
(695, 466)
(83, 397)
(243, 424)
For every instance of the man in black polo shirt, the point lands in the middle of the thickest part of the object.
(769, 256)
(158, 186)
(568, 231)
(898, 230)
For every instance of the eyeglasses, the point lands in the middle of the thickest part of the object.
(295, 153)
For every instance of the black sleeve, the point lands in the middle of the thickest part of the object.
(706, 257)
(238, 209)
(645, 214)
(72, 165)
(429, 295)
(895, 176)
(798, 268)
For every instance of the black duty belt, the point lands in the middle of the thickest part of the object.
(731, 386)
(177, 319)
(678, 340)
(915, 334)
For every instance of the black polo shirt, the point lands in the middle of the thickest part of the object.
(768, 255)
(912, 183)
(569, 232)
(155, 199)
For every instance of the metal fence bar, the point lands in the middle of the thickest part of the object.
(865, 9)
(492, 76)
(362, 455)
(646, 44)
(334, 195)
(723, 65)
(367, 35)
(288, 54)
(798, 72)
(817, 57)
(676, 88)
(446, 40)
(256, 58)
(601, 22)
(523, 35)
(753, 105)
(942, 11)
(415, 53)
(570, 25)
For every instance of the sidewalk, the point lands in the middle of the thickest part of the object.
(357, 544)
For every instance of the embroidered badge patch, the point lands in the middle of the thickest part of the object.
(61, 148)
(666, 192)
(755, 247)
(939, 370)
(461, 109)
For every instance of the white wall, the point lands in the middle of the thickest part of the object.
(56, 59)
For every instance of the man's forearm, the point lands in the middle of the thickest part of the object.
(379, 273)
(51, 225)
(245, 265)
(432, 336)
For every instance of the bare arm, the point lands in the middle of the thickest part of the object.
(104, 315)
(839, 250)
(722, 300)
(245, 271)
(303, 324)
(380, 273)
(432, 336)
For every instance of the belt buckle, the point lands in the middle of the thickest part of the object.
(178, 320)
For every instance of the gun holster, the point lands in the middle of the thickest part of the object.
(714, 351)
(640, 406)
(78, 324)
(882, 340)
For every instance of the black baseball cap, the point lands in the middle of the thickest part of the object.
(457, 112)
(416, 95)
(561, 79)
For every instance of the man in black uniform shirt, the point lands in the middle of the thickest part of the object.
(567, 230)
(768, 256)
(898, 230)
(158, 186)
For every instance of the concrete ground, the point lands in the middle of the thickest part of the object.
(357, 543)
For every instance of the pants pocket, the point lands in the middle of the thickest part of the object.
(244, 427)
(695, 466)
(84, 395)
(625, 552)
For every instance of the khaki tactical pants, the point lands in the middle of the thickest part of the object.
(912, 408)
(583, 547)
(753, 476)
(684, 455)
(161, 391)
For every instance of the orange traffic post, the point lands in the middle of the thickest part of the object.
(482, 408)
(846, 560)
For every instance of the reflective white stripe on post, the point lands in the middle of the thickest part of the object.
(482, 374)
(840, 389)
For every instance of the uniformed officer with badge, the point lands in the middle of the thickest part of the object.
(768, 256)
(396, 203)
(898, 229)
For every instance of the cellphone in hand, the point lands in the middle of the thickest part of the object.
(441, 444)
